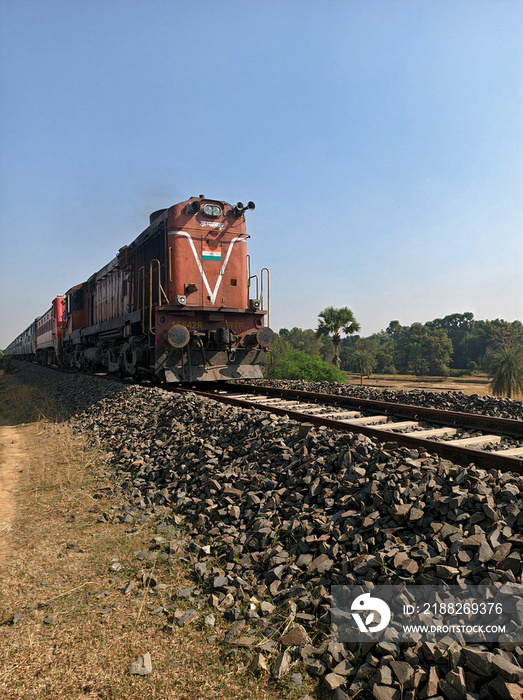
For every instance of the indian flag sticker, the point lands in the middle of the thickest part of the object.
(208, 254)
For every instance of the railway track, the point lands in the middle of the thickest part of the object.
(445, 433)
(441, 432)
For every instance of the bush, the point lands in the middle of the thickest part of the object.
(295, 364)
(439, 369)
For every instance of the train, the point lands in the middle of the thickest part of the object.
(178, 304)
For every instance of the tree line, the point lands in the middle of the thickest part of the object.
(456, 344)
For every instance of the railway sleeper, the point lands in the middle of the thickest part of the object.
(401, 425)
(435, 432)
(478, 440)
(366, 420)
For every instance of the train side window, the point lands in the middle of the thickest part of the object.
(78, 300)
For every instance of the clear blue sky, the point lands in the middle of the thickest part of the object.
(382, 141)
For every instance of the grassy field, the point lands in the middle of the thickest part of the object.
(478, 384)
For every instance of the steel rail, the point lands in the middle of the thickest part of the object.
(446, 450)
(505, 426)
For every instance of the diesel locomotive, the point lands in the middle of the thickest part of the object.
(178, 304)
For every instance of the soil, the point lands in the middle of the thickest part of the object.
(67, 630)
(14, 443)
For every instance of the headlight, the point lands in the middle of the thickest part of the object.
(181, 299)
(254, 304)
(211, 210)
(265, 337)
(178, 336)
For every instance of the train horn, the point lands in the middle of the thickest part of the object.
(240, 208)
(192, 208)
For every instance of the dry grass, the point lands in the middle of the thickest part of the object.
(58, 568)
(24, 403)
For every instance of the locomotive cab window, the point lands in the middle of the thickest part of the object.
(78, 300)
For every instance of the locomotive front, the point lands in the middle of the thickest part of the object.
(192, 285)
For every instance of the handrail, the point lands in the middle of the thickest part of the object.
(164, 296)
(141, 276)
(151, 298)
(265, 269)
(160, 292)
(254, 277)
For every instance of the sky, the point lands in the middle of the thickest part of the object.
(381, 140)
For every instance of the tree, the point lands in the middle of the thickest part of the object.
(365, 361)
(302, 340)
(460, 328)
(505, 333)
(384, 353)
(506, 371)
(327, 349)
(421, 350)
(394, 329)
(488, 336)
(278, 349)
(438, 349)
(335, 322)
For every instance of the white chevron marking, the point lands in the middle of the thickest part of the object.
(214, 293)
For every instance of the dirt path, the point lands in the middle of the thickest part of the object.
(12, 439)
(67, 629)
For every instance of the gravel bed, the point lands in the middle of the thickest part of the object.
(277, 512)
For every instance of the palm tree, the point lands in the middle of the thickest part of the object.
(365, 361)
(333, 322)
(506, 371)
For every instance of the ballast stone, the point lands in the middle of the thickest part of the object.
(281, 665)
(326, 497)
(142, 666)
(320, 553)
(297, 636)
